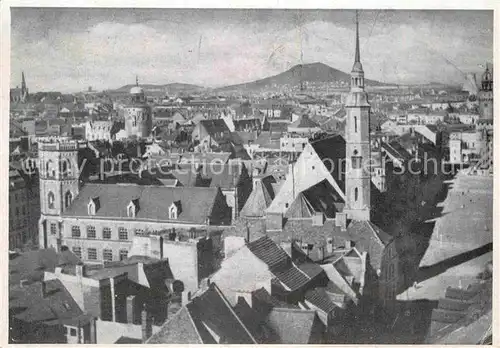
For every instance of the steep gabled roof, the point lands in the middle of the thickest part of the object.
(257, 202)
(331, 150)
(178, 329)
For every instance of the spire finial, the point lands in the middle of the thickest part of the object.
(137, 80)
(357, 56)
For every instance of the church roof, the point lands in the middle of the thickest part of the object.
(331, 150)
(260, 198)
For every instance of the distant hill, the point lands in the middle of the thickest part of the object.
(170, 88)
(314, 72)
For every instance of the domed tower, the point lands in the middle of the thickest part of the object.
(485, 95)
(138, 118)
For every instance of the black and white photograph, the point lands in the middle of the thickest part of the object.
(249, 175)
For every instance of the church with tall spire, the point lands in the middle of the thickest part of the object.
(19, 95)
(357, 136)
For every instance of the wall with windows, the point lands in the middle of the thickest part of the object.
(96, 240)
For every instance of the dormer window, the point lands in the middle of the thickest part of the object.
(93, 206)
(174, 210)
(133, 208)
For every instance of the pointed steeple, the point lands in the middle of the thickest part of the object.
(357, 55)
(357, 67)
(23, 81)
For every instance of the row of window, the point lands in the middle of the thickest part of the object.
(91, 232)
(68, 198)
(107, 254)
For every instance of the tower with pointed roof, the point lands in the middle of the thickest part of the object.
(24, 89)
(357, 136)
(485, 95)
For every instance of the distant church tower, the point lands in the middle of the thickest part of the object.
(357, 134)
(24, 89)
(59, 185)
(485, 95)
(138, 117)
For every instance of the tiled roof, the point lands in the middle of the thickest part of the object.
(368, 237)
(31, 265)
(272, 255)
(196, 203)
(304, 122)
(292, 277)
(215, 126)
(30, 304)
(245, 124)
(304, 231)
(311, 269)
(279, 263)
(395, 149)
(319, 298)
(225, 176)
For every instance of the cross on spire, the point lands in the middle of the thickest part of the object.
(137, 80)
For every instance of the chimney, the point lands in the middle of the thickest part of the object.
(256, 180)
(146, 324)
(44, 289)
(318, 219)
(93, 331)
(130, 308)
(80, 271)
(341, 221)
(185, 297)
(348, 244)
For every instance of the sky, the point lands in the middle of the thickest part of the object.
(70, 49)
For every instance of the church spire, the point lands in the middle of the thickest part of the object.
(357, 74)
(23, 81)
(357, 56)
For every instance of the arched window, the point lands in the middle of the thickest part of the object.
(68, 197)
(49, 169)
(355, 124)
(51, 199)
(356, 194)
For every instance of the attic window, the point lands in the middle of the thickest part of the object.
(132, 208)
(174, 210)
(93, 206)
